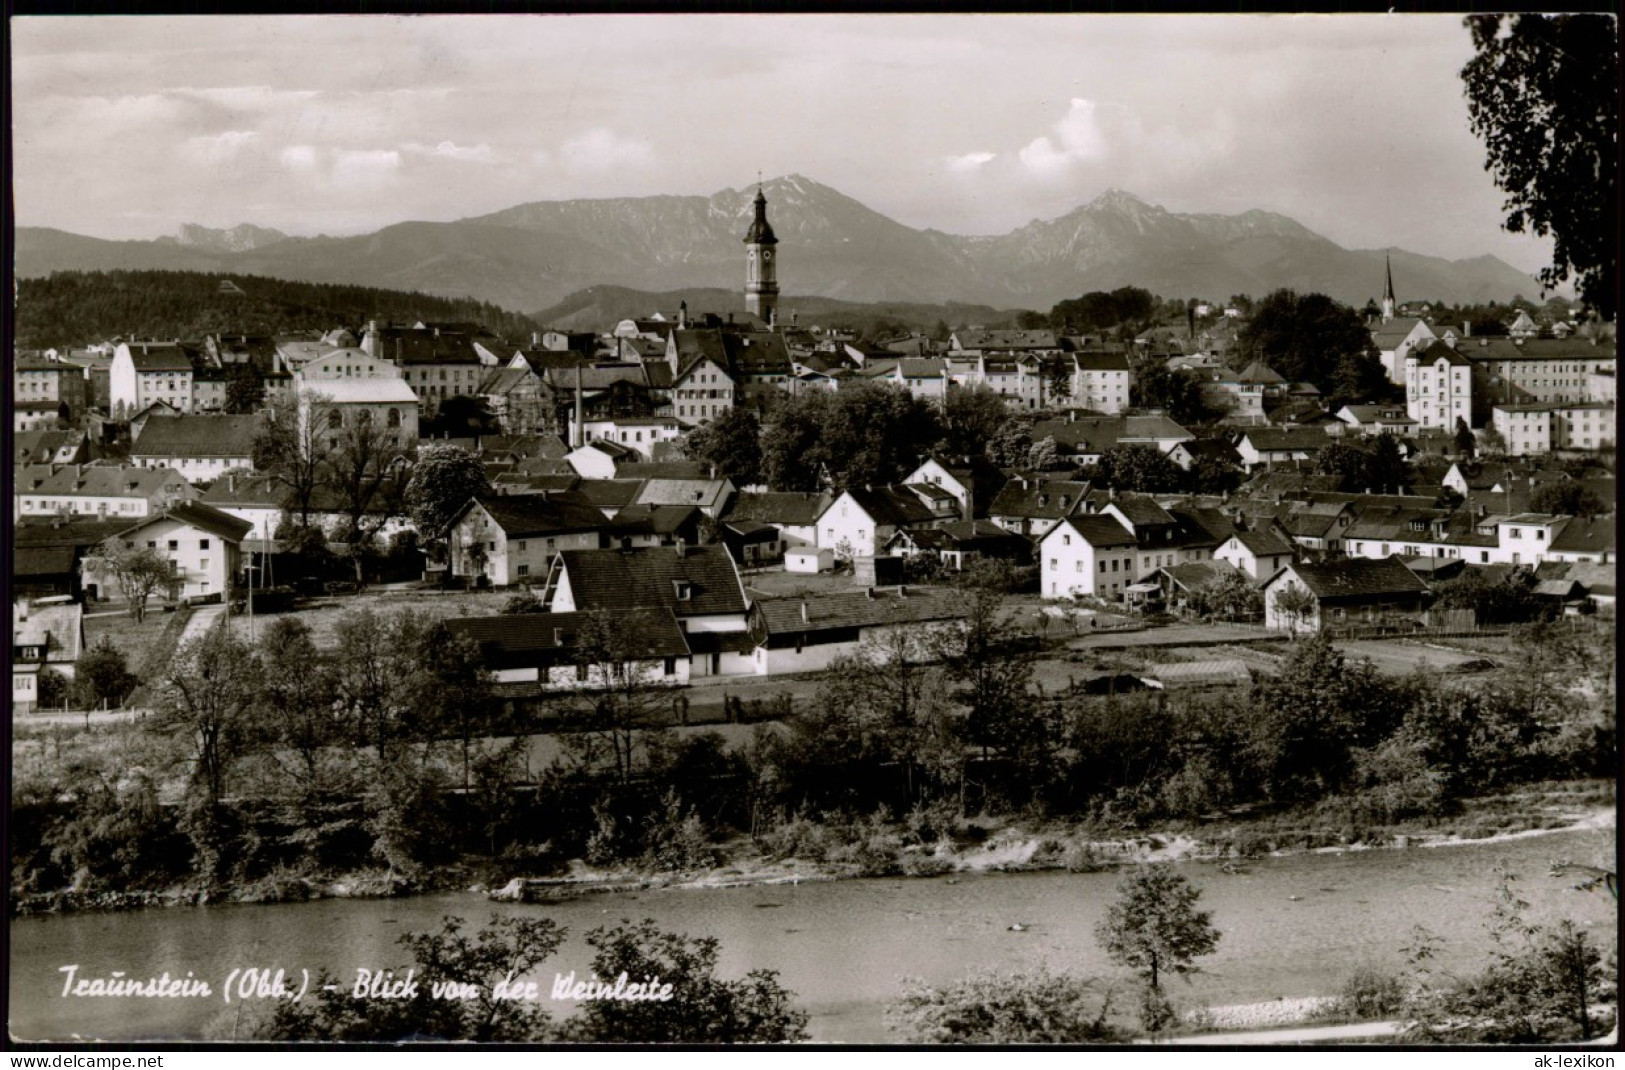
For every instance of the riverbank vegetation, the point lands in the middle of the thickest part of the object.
(381, 760)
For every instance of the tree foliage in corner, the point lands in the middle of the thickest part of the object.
(1543, 94)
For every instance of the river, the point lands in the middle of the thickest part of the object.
(1291, 926)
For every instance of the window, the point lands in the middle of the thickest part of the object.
(174, 544)
(203, 544)
(203, 563)
(524, 570)
(1114, 565)
(1053, 563)
(1080, 566)
(1103, 565)
(581, 673)
(394, 417)
(1066, 540)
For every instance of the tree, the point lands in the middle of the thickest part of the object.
(702, 1008)
(617, 692)
(245, 389)
(997, 1008)
(1177, 393)
(138, 572)
(1010, 445)
(1215, 475)
(992, 667)
(971, 417)
(1304, 337)
(296, 700)
(1233, 597)
(102, 676)
(1138, 468)
(1367, 464)
(870, 433)
(1154, 928)
(1464, 441)
(360, 467)
(444, 479)
(290, 448)
(732, 443)
(1492, 443)
(208, 694)
(375, 662)
(1543, 94)
(1566, 497)
(506, 952)
(1297, 604)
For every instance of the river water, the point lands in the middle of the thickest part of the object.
(1292, 926)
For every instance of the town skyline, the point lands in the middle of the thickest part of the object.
(344, 125)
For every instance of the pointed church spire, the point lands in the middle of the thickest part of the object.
(1388, 290)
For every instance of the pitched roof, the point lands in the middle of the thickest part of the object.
(1141, 510)
(95, 481)
(1099, 531)
(1297, 439)
(648, 578)
(609, 493)
(663, 470)
(523, 640)
(1259, 372)
(40, 447)
(1262, 543)
(201, 516)
(1097, 434)
(756, 353)
(965, 535)
(652, 519)
(1209, 673)
(1194, 574)
(1585, 536)
(378, 391)
(1097, 361)
(160, 357)
(1038, 499)
(782, 508)
(893, 505)
(1355, 578)
(197, 436)
(1574, 348)
(858, 609)
(526, 515)
(59, 628)
(702, 493)
(1005, 339)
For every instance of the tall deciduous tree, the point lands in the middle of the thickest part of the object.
(1305, 337)
(290, 447)
(618, 691)
(1175, 392)
(444, 479)
(732, 442)
(296, 701)
(245, 390)
(208, 695)
(1543, 94)
(1154, 928)
(137, 571)
(870, 433)
(1138, 468)
(971, 418)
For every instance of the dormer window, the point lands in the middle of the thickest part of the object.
(683, 590)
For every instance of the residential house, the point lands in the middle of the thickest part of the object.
(50, 447)
(792, 514)
(807, 634)
(1099, 381)
(960, 543)
(862, 520)
(203, 545)
(1258, 553)
(699, 584)
(434, 364)
(1584, 540)
(638, 433)
(45, 634)
(1242, 396)
(335, 404)
(1509, 371)
(1439, 387)
(262, 502)
(1347, 591)
(97, 490)
(1377, 420)
(145, 372)
(1082, 439)
(530, 655)
(1162, 538)
(974, 482)
(1395, 339)
(702, 386)
(1263, 447)
(201, 448)
(1087, 555)
(1178, 585)
(44, 392)
(1032, 506)
(709, 496)
(511, 539)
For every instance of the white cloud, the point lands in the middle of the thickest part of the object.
(301, 158)
(602, 149)
(364, 167)
(1078, 138)
(450, 150)
(970, 161)
(219, 147)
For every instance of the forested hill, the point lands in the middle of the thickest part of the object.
(73, 308)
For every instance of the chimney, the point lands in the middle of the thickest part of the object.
(575, 434)
(22, 610)
(1466, 328)
(535, 339)
(869, 592)
(805, 616)
(902, 590)
(682, 547)
(231, 482)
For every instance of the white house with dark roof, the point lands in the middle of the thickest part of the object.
(1438, 387)
(1351, 590)
(1099, 381)
(1032, 506)
(46, 633)
(337, 403)
(1395, 339)
(512, 539)
(700, 584)
(145, 372)
(201, 448)
(97, 490)
(1377, 419)
(861, 520)
(1262, 447)
(807, 634)
(203, 545)
(534, 654)
(1087, 555)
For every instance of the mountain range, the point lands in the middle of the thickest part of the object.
(532, 256)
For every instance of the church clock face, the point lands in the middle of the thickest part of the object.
(750, 254)
(767, 254)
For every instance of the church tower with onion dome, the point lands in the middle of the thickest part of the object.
(761, 271)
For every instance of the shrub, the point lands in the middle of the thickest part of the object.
(1371, 993)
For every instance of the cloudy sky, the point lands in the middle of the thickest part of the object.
(1353, 125)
